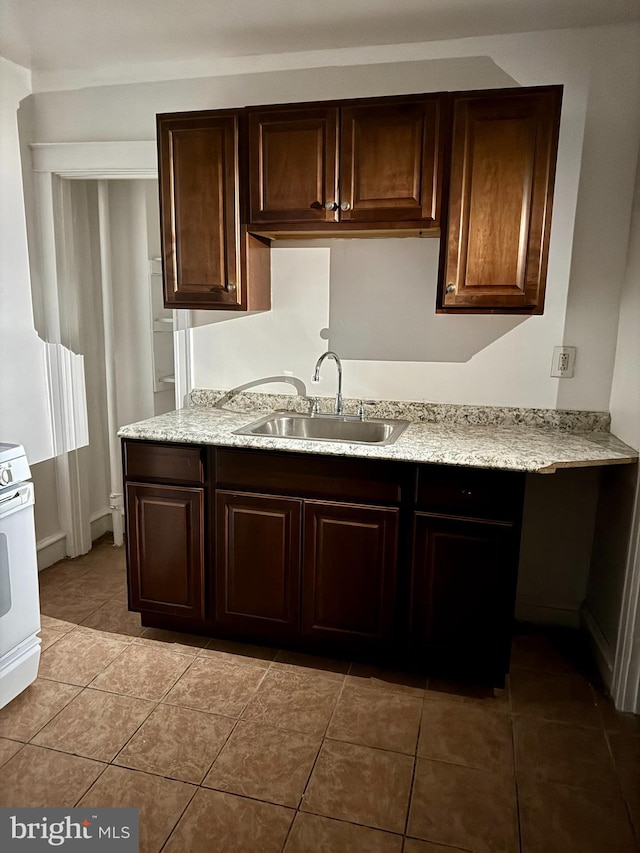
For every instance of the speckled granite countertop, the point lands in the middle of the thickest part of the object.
(532, 440)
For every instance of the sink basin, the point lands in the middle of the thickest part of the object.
(326, 428)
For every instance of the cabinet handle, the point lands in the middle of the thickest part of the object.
(331, 205)
(345, 206)
(467, 492)
(451, 288)
(230, 288)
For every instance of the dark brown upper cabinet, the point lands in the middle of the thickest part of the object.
(476, 168)
(362, 165)
(389, 162)
(209, 260)
(292, 164)
(503, 155)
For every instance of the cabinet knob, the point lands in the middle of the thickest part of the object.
(331, 205)
(231, 288)
(467, 493)
(451, 288)
(345, 206)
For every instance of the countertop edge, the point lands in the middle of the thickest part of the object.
(525, 449)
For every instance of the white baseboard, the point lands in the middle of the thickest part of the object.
(51, 549)
(531, 608)
(101, 523)
(602, 650)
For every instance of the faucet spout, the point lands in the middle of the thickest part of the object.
(316, 377)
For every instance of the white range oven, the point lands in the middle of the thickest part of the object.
(19, 599)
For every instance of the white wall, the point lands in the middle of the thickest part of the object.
(131, 300)
(94, 461)
(479, 348)
(24, 410)
(382, 293)
(625, 389)
(485, 360)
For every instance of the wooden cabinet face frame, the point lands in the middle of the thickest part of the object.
(209, 259)
(437, 579)
(479, 164)
(390, 161)
(199, 193)
(257, 583)
(463, 591)
(494, 251)
(165, 549)
(377, 160)
(344, 599)
(293, 169)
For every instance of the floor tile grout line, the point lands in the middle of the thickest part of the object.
(413, 773)
(134, 696)
(352, 822)
(323, 738)
(182, 813)
(219, 752)
(635, 830)
(93, 758)
(58, 712)
(515, 781)
(90, 786)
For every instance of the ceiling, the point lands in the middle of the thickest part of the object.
(53, 35)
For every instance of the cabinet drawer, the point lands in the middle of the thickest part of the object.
(470, 492)
(164, 462)
(312, 476)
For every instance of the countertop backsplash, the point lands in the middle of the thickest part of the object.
(565, 420)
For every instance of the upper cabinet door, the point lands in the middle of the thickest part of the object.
(501, 187)
(389, 162)
(292, 162)
(198, 192)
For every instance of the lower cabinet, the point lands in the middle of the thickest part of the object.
(463, 586)
(165, 549)
(349, 572)
(320, 571)
(257, 577)
(414, 564)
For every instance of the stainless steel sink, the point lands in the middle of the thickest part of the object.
(326, 428)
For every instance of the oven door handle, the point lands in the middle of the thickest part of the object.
(14, 499)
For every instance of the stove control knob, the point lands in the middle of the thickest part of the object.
(6, 476)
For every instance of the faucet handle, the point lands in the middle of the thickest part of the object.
(361, 405)
(314, 407)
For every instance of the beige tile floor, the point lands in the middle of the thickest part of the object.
(227, 748)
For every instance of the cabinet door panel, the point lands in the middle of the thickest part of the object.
(198, 164)
(258, 562)
(165, 543)
(389, 157)
(463, 591)
(349, 571)
(500, 196)
(292, 157)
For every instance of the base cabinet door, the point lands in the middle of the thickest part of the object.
(258, 563)
(463, 587)
(349, 573)
(165, 543)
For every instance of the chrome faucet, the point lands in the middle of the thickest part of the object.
(316, 377)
